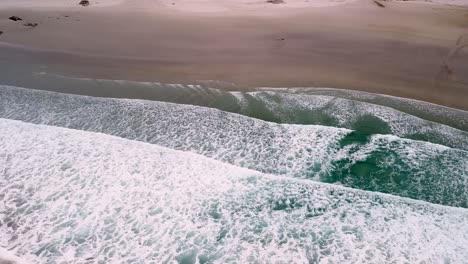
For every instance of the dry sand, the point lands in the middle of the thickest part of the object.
(406, 49)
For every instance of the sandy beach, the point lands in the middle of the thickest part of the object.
(409, 49)
(233, 131)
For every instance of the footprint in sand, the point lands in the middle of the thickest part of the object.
(446, 71)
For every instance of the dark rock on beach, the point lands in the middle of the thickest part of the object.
(275, 1)
(31, 24)
(15, 18)
(379, 4)
(84, 3)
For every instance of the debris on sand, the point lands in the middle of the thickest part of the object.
(379, 4)
(275, 1)
(281, 39)
(84, 3)
(1, 32)
(31, 24)
(445, 71)
(15, 18)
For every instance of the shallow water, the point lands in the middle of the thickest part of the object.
(360, 111)
(286, 174)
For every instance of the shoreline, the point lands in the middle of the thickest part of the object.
(398, 50)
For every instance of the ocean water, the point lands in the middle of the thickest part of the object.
(71, 196)
(202, 175)
(375, 162)
(359, 111)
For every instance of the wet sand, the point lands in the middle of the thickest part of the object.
(411, 50)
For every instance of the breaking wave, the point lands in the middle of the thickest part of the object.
(360, 111)
(383, 163)
(82, 197)
(202, 175)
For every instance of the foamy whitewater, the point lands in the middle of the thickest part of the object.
(359, 111)
(269, 176)
(78, 196)
(375, 162)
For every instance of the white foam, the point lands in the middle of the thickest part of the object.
(73, 196)
(347, 113)
(403, 167)
(6, 257)
(236, 139)
(403, 117)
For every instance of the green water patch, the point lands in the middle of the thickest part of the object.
(371, 125)
(306, 117)
(257, 109)
(396, 167)
(354, 138)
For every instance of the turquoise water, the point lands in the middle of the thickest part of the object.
(360, 111)
(207, 175)
(368, 157)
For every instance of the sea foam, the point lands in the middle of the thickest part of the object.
(364, 112)
(74, 196)
(383, 163)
